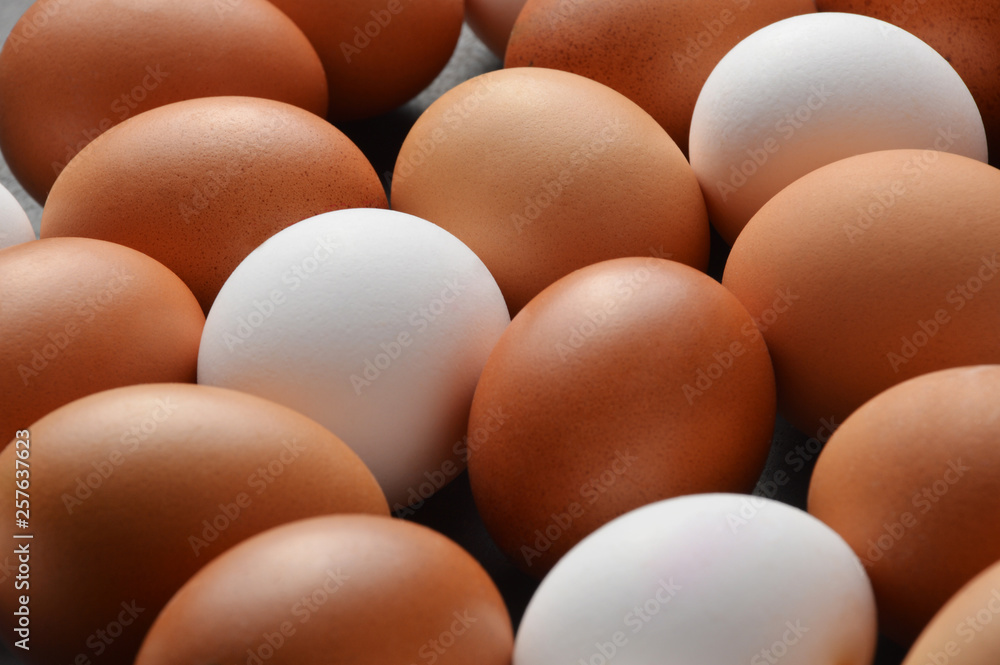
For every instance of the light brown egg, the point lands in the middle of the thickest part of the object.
(80, 316)
(541, 172)
(965, 32)
(377, 53)
(657, 53)
(888, 262)
(624, 383)
(344, 589)
(966, 630)
(72, 70)
(200, 184)
(135, 489)
(909, 481)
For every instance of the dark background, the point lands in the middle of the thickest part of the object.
(452, 510)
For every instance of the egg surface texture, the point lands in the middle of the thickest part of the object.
(888, 262)
(657, 53)
(809, 90)
(909, 481)
(492, 21)
(15, 227)
(341, 589)
(81, 316)
(377, 54)
(199, 184)
(964, 632)
(623, 383)
(541, 172)
(375, 323)
(965, 32)
(137, 488)
(70, 71)
(706, 578)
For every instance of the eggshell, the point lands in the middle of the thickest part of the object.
(15, 227)
(348, 588)
(909, 481)
(657, 53)
(965, 32)
(888, 262)
(623, 383)
(377, 53)
(964, 631)
(199, 184)
(70, 71)
(81, 316)
(135, 489)
(492, 21)
(375, 323)
(709, 578)
(541, 172)
(809, 90)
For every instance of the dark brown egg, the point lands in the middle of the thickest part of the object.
(133, 490)
(72, 70)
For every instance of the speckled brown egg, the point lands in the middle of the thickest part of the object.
(888, 263)
(965, 32)
(624, 383)
(541, 172)
(135, 489)
(910, 482)
(353, 589)
(966, 630)
(199, 184)
(78, 316)
(377, 53)
(657, 53)
(70, 71)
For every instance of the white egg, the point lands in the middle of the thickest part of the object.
(810, 90)
(704, 578)
(15, 227)
(374, 323)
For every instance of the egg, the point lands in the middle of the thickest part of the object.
(81, 316)
(626, 382)
(909, 481)
(375, 323)
(541, 172)
(199, 184)
(15, 227)
(377, 53)
(965, 33)
(964, 631)
(809, 90)
(870, 271)
(70, 71)
(657, 53)
(349, 588)
(492, 21)
(133, 490)
(707, 578)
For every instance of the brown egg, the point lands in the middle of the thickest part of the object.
(541, 172)
(345, 589)
(377, 53)
(623, 383)
(910, 482)
(966, 630)
(492, 21)
(135, 489)
(965, 32)
(80, 316)
(200, 184)
(72, 70)
(657, 53)
(887, 261)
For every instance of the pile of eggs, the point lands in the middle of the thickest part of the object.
(242, 378)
